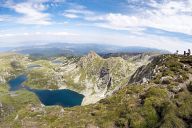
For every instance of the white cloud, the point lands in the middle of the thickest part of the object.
(173, 23)
(32, 13)
(70, 15)
(78, 11)
(43, 1)
(173, 16)
(82, 11)
(34, 38)
(4, 18)
(95, 18)
(152, 41)
(4, 35)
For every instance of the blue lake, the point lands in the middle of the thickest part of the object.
(57, 62)
(16, 83)
(64, 97)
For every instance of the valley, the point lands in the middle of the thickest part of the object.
(90, 75)
(144, 90)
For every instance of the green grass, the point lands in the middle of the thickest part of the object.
(42, 78)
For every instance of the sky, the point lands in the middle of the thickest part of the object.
(163, 24)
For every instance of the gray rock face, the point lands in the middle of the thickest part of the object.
(145, 73)
(142, 75)
(2, 80)
(104, 79)
(103, 72)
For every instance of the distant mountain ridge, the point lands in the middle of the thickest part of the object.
(69, 49)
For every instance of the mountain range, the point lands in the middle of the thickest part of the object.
(70, 49)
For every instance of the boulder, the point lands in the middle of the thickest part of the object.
(145, 80)
(166, 80)
(2, 80)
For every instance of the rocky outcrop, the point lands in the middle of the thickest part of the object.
(169, 71)
(104, 79)
(166, 80)
(2, 80)
(146, 72)
(142, 75)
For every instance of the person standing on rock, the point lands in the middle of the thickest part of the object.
(189, 52)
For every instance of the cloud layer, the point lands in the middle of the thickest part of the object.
(173, 16)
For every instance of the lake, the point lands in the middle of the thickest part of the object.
(64, 97)
(16, 83)
(57, 62)
(32, 66)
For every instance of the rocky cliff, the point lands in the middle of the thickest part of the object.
(163, 69)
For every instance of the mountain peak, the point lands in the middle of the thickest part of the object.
(89, 58)
(92, 55)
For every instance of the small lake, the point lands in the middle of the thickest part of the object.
(57, 62)
(32, 66)
(64, 97)
(16, 83)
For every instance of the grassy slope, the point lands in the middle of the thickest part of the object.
(11, 103)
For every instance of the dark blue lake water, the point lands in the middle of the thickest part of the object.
(16, 83)
(64, 97)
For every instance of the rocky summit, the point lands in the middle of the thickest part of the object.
(139, 91)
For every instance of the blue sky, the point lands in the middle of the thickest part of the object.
(164, 24)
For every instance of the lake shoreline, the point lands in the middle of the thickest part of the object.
(48, 97)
